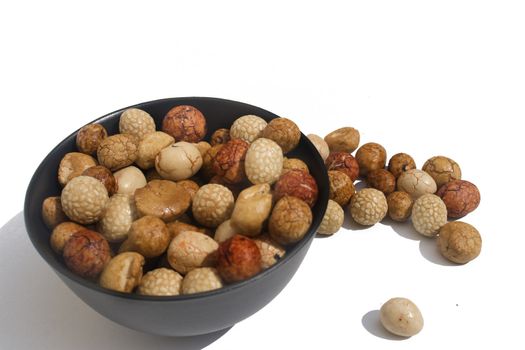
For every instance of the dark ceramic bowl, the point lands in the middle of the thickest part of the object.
(183, 315)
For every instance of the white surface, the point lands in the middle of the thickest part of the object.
(425, 78)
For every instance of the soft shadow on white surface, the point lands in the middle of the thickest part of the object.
(40, 312)
(404, 229)
(373, 325)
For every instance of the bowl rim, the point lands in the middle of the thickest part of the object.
(63, 271)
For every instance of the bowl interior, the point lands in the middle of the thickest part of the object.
(219, 113)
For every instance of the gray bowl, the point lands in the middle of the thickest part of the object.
(183, 315)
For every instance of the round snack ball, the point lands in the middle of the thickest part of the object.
(248, 128)
(129, 179)
(299, 184)
(117, 151)
(399, 205)
(161, 282)
(416, 183)
(264, 161)
(271, 251)
(185, 123)
(176, 227)
(442, 170)
(86, 253)
(200, 280)
(220, 136)
(461, 197)
(104, 175)
(179, 161)
(459, 242)
(212, 205)
(402, 317)
(163, 199)
(332, 220)
(62, 233)
(382, 180)
(400, 163)
(189, 185)
(252, 209)
(239, 259)
(72, 165)
(370, 156)
(429, 214)
(84, 199)
(207, 170)
(149, 236)
(151, 145)
(118, 216)
(123, 273)
(294, 163)
(229, 160)
(368, 206)
(203, 147)
(341, 187)
(89, 138)
(52, 212)
(345, 162)
(290, 220)
(190, 250)
(343, 140)
(136, 122)
(320, 144)
(284, 132)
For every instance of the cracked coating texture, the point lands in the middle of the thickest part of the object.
(333, 219)
(118, 216)
(370, 156)
(343, 140)
(442, 170)
(202, 279)
(341, 187)
(185, 123)
(271, 251)
(345, 162)
(104, 175)
(208, 159)
(149, 236)
(416, 183)
(136, 122)
(368, 206)
(190, 250)
(212, 205)
(248, 128)
(161, 281)
(239, 259)
(400, 163)
(86, 253)
(429, 214)
(284, 132)
(151, 145)
(399, 205)
(84, 199)
(264, 161)
(61, 233)
(461, 197)
(290, 220)
(382, 180)
(229, 160)
(72, 165)
(402, 317)
(297, 183)
(89, 138)
(179, 161)
(123, 273)
(320, 144)
(117, 151)
(459, 242)
(294, 163)
(163, 199)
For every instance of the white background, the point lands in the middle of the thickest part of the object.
(426, 78)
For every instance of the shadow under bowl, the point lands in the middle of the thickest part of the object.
(183, 315)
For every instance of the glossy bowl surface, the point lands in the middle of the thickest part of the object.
(183, 315)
